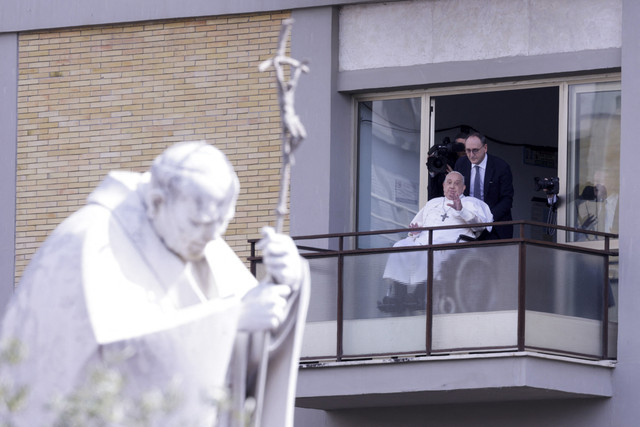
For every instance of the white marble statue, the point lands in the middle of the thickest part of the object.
(140, 282)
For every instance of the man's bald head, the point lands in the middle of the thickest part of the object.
(453, 185)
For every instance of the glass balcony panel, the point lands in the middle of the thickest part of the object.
(321, 330)
(381, 317)
(475, 298)
(564, 300)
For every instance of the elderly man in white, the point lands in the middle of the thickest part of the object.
(410, 268)
(142, 275)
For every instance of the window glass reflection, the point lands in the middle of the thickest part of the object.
(388, 166)
(594, 157)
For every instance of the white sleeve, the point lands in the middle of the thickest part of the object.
(474, 211)
(422, 214)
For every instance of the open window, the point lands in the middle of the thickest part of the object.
(565, 129)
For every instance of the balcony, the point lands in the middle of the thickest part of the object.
(530, 311)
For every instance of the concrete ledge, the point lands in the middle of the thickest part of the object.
(464, 72)
(451, 379)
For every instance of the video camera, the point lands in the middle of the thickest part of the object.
(549, 185)
(443, 154)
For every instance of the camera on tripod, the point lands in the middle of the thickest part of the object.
(443, 154)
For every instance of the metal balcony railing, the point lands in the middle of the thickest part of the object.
(556, 294)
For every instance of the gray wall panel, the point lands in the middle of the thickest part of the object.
(321, 177)
(22, 15)
(627, 374)
(8, 138)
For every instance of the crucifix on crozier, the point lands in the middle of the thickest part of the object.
(293, 132)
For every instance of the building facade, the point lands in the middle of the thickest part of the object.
(90, 87)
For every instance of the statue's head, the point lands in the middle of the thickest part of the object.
(191, 197)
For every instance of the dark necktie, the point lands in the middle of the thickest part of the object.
(477, 193)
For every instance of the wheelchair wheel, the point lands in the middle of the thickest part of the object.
(474, 285)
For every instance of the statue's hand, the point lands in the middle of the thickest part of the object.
(281, 258)
(264, 307)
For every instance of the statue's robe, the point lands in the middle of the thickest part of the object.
(104, 286)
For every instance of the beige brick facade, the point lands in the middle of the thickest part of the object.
(95, 99)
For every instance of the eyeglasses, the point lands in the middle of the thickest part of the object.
(473, 150)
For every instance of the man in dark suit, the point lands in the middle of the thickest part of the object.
(488, 178)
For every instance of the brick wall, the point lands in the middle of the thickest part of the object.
(112, 97)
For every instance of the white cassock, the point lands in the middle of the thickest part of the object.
(103, 285)
(411, 267)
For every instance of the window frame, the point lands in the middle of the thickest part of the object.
(427, 130)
